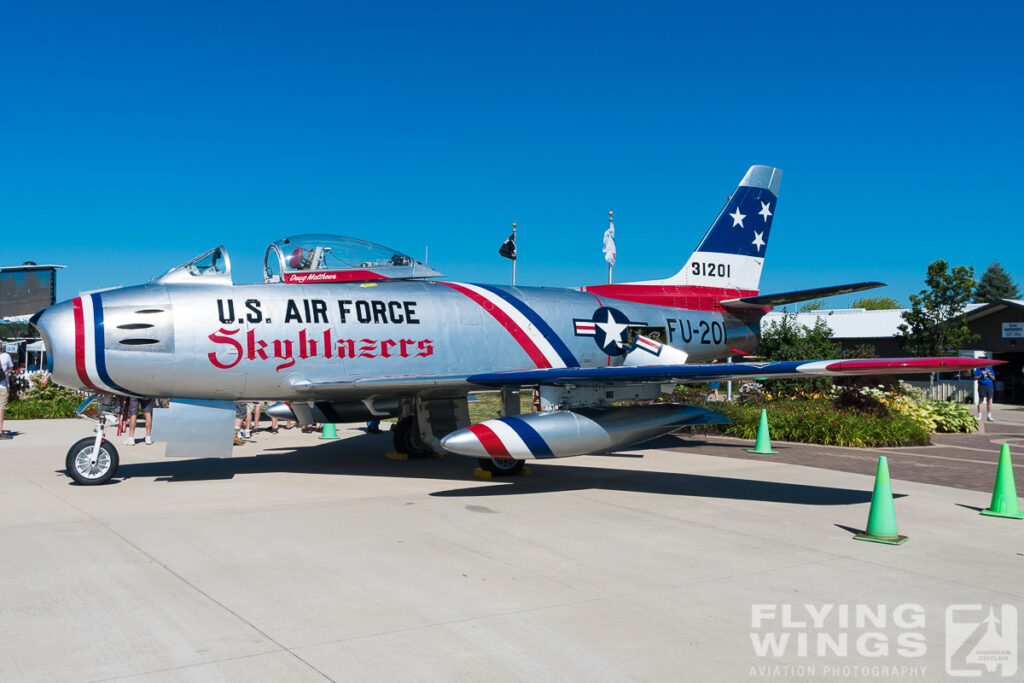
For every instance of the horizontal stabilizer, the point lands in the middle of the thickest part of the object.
(705, 372)
(762, 300)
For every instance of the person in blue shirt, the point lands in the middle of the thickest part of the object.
(713, 388)
(986, 389)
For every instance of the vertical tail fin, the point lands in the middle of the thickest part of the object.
(727, 263)
(732, 252)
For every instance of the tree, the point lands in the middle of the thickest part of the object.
(934, 325)
(10, 330)
(786, 339)
(811, 306)
(995, 284)
(876, 303)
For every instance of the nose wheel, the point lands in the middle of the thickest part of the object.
(90, 466)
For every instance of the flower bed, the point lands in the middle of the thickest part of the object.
(885, 415)
(43, 401)
(819, 421)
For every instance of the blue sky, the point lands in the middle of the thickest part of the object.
(136, 135)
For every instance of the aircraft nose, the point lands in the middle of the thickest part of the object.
(56, 324)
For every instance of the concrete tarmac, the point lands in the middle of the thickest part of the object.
(966, 461)
(307, 559)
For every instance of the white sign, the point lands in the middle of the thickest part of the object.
(1013, 330)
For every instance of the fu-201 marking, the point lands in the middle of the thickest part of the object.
(705, 332)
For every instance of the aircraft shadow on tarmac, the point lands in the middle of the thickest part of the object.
(363, 456)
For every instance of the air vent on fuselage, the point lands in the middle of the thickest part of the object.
(139, 328)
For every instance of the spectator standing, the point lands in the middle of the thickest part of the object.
(986, 389)
(6, 367)
(240, 412)
(250, 407)
(134, 404)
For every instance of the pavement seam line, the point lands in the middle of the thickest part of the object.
(184, 667)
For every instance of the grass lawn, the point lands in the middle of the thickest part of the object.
(489, 405)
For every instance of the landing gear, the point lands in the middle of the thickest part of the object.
(501, 468)
(407, 438)
(90, 466)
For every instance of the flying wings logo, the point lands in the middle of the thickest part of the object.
(610, 329)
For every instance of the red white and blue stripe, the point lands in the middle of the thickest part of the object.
(649, 345)
(509, 438)
(540, 342)
(90, 356)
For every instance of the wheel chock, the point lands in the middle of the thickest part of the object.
(481, 473)
(394, 455)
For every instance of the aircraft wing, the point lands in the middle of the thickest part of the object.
(387, 385)
(704, 372)
(638, 374)
(762, 300)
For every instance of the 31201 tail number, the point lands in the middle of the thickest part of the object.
(711, 269)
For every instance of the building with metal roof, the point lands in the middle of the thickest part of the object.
(999, 326)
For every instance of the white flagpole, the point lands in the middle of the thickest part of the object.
(516, 254)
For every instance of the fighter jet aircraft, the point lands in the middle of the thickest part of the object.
(343, 330)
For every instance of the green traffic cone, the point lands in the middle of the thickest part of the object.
(1004, 494)
(882, 517)
(764, 441)
(329, 431)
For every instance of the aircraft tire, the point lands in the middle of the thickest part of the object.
(407, 440)
(501, 468)
(87, 470)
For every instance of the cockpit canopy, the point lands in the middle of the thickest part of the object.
(210, 267)
(306, 258)
(333, 258)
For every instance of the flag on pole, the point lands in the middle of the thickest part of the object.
(508, 249)
(609, 243)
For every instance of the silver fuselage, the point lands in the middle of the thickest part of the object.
(286, 342)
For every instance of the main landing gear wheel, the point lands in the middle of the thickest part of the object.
(89, 468)
(503, 467)
(407, 439)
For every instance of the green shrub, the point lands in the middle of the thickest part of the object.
(43, 401)
(950, 416)
(818, 421)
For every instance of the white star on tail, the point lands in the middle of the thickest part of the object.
(764, 212)
(737, 218)
(758, 242)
